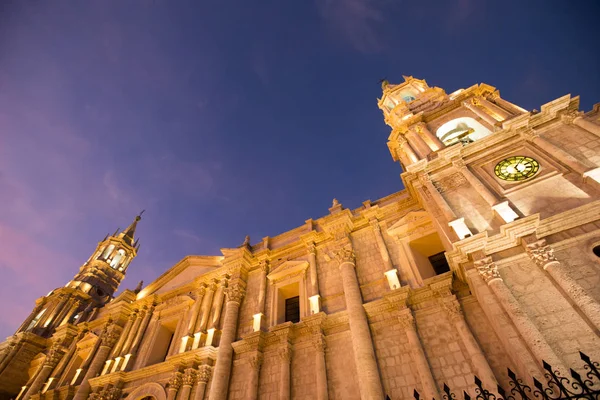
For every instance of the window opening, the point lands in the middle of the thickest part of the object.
(596, 251)
(439, 263)
(292, 309)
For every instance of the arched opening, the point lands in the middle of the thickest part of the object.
(463, 129)
(117, 259)
(107, 252)
(596, 251)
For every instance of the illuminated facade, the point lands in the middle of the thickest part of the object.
(488, 259)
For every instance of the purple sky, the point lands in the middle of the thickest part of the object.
(226, 118)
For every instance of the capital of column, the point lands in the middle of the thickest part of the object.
(459, 164)
(569, 116)
(264, 266)
(189, 377)
(235, 293)
(487, 269)
(201, 291)
(375, 224)
(175, 381)
(407, 321)
(285, 354)
(256, 360)
(212, 286)
(109, 336)
(311, 247)
(452, 309)
(529, 134)
(111, 393)
(319, 343)
(541, 253)
(54, 355)
(204, 373)
(345, 255)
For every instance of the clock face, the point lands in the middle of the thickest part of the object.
(516, 168)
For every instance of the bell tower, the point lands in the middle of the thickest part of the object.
(93, 286)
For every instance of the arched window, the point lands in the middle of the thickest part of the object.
(117, 259)
(464, 129)
(35, 320)
(107, 252)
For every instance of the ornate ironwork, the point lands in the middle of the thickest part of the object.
(557, 386)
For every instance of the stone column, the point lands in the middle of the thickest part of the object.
(433, 141)
(174, 384)
(57, 373)
(439, 200)
(407, 321)
(255, 362)
(133, 332)
(203, 375)
(321, 367)
(285, 355)
(507, 105)
(312, 263)
(142, 329)
(502, 114)
(70, 313)
(483, 191)
(107, 341)
(480, 364)
(218, 304)
(383, 250)
(576, 118)
(369, 382)
(218, 389)
(532, 136)
(207, 306)
(117, 349)
(33, 314)
(195, 312)
(418, 144)
(188, 380)
(529, 332)
(54, 355)
(472, 106)
(543, 255)
(407, 149)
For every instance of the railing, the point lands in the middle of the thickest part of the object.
(556, 388)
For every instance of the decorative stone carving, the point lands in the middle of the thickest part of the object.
(256, 360)
(235, 293)
(450, 182)
(452, 309)
(111, 393)
(345, 255)
(541, 253)
(176, 380)
(529, 134)
(375, 224)
(54, 355)
(189, 377)
(319, 343)
(407, 321)
(109, 336)
(312, 248)
(285, 354)
(201, 291)
(264, 266)
(204, 373)
(487, 269)
(569, 116)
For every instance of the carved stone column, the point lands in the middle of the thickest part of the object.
(407, 321)
(480, 363)
(321, 367)
(107, 341)
(532, 136)
(507, 105)
(174, 384)
(255, 362)
(54, 355)
(418, 144)
(529, 332)
(218, 389)
(500, 113)
(262, 293)
(133, 332)
(285, 355)
(70, 313)
(188, 379)
(203, 376)
(408, 151)
(483, 191)
(576, 118)
(543, 255)
(369, 382)
(432, 140)
(472, 106)
(195, 311)
(143, 326)
(439, 200)
(383, 250)
(312, 263)
(218, 304)
(207, 305)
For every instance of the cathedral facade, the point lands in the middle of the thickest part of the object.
(488, 259)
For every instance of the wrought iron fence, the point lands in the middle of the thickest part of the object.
(557, 387)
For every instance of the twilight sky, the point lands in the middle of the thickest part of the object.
(226, 118)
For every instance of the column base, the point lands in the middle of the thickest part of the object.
(505, 212)
(315, 304)
(460, 228)
(392, 279)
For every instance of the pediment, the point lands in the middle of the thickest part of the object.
(409, 222)
(287, 268)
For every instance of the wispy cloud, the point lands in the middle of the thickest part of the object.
(355, 21)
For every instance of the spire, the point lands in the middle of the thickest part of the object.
(128, 234)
